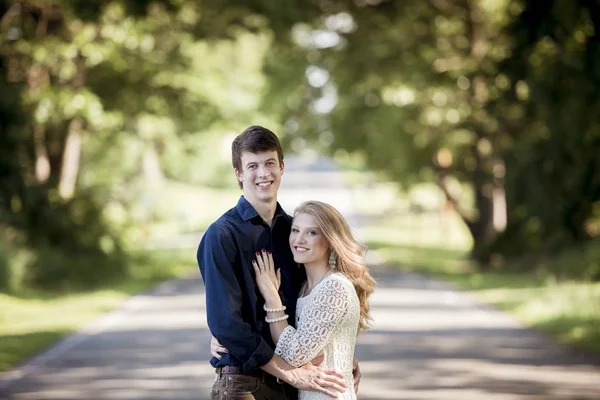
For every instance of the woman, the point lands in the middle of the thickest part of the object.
(333, 303)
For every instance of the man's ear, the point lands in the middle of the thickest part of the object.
(238, 175)
(282, 166)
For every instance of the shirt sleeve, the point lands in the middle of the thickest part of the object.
(217, 257)
(317, 323)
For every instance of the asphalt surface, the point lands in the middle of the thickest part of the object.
(428, 341)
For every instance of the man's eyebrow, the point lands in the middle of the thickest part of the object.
(256, 162)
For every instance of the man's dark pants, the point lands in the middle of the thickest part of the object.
(255, 385)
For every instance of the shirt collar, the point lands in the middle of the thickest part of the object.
(247, 212)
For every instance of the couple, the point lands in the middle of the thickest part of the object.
(285, 298)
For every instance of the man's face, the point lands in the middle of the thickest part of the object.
(260, 175)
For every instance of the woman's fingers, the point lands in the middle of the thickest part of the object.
(256, 267)
(278, 277)
(260, 261)
(267, 260)
(271, 262)
(216, 350)
(222, 349)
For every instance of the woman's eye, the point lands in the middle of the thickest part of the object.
(294, 230)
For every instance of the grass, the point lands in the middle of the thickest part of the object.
(30, 321)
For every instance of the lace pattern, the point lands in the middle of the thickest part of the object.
(327, 321)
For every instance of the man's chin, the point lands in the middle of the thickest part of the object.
(267, 195)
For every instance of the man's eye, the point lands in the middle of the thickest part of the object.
(270, 163)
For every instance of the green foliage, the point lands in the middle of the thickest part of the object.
(554, 165)
(482, 98)
(104, 100)
(402, 83)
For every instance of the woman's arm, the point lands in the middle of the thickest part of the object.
(320, 318)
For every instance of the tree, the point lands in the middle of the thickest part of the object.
(552, 115)
(110, 94)
(411, 82)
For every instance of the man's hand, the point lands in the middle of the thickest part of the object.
(356, 374)
(309, 377)
(216, 348)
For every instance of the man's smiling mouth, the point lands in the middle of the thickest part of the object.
(264, 184)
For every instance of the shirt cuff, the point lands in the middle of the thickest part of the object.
(262, 355)
(283, 344)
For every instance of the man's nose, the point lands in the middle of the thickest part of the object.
(263, 171)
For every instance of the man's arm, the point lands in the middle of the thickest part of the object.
(217, 256)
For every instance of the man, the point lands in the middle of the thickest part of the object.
(234, 306)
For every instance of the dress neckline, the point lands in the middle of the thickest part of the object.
(325, 277)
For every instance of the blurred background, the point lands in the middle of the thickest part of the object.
(466, 134)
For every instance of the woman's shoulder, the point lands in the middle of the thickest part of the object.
(340, 281)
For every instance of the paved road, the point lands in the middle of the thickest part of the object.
(429, 341)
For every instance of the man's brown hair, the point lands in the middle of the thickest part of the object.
(255, 139)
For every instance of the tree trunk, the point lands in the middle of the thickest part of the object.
(70, 161)
(72, 150)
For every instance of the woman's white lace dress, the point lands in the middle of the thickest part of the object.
(326, 320)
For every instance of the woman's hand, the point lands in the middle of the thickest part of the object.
(267, 279)
(216, 348)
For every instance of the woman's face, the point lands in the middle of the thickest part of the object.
(307, 241)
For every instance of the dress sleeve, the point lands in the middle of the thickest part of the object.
(317, 323)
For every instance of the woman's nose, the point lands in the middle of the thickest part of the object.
(299, 239)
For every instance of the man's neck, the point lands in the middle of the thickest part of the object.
(266, 210)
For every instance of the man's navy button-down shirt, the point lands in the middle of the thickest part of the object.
(234, 305)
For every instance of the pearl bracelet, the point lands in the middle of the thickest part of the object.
(274, 309)
(271, 320)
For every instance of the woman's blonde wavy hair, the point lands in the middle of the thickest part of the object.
(349, 255)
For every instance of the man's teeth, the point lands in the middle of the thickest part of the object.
(264, 184)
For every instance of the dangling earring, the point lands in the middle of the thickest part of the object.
(332, 260)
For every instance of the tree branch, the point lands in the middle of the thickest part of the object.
(442, 174)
